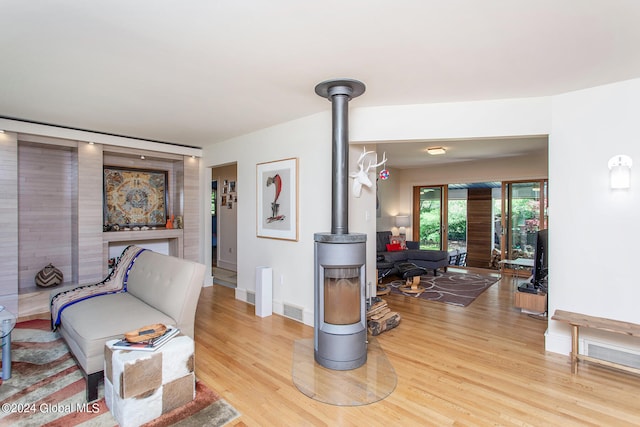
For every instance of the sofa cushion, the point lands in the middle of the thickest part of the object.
(427, 255)
(396, 256)
(171, 285)
(115, 282)
(412, 245)
(92, 322)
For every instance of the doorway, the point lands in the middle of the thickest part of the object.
(429, 211)
(524, 213)
(474, 222)
(224, 224)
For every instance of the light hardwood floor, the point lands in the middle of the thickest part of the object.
(480, 365)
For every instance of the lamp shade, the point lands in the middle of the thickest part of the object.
(402, 221)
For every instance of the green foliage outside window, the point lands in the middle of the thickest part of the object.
(524, 215)
(430, 223)
(525, 212)
(457, 220)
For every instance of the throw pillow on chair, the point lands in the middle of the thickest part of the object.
(392, 247)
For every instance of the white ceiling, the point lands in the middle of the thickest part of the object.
(201, 71)
(406, 155)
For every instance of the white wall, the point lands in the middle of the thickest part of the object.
(533, 166)
(506, 117)
(389, 192)
(479, 119)
(592, 229)
(309, 139)
(362, 214)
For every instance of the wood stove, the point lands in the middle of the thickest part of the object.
(340, 332)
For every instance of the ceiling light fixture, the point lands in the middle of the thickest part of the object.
(435, 151)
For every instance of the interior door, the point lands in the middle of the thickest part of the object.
(429, 212)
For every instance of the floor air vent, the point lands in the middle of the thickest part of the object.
(251, 297)
(617, 355)
(293, 312)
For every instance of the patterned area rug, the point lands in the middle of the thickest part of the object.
(47, 388)
(454, 288)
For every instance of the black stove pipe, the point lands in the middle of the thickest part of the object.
(340, 92)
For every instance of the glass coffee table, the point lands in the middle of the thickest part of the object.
(517, 265)
(7, 323)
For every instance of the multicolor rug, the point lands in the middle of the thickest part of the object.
(454, 288)
(46, 388)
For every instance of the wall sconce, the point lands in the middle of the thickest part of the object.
(620, 171)
(402, 221)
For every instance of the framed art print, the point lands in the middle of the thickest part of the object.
(135, 197)
(277, 199)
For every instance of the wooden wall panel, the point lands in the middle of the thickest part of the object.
(9, 222)
(45, 174)
(479, 220)
(191, 209)
(89, 248)
(51, 210)
(176, 184)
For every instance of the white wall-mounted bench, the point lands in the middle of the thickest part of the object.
(577, 320)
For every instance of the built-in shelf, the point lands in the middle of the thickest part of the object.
(126, 236)
(173, 236)
(53, 208)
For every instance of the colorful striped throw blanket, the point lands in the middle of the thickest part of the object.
(115, 282)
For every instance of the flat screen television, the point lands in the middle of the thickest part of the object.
(538, 282)
(540, 265)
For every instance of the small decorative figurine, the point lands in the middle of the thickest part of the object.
(361, 177)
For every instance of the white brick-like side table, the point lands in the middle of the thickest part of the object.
(139, 386)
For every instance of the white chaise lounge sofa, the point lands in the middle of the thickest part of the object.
(144, 288)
